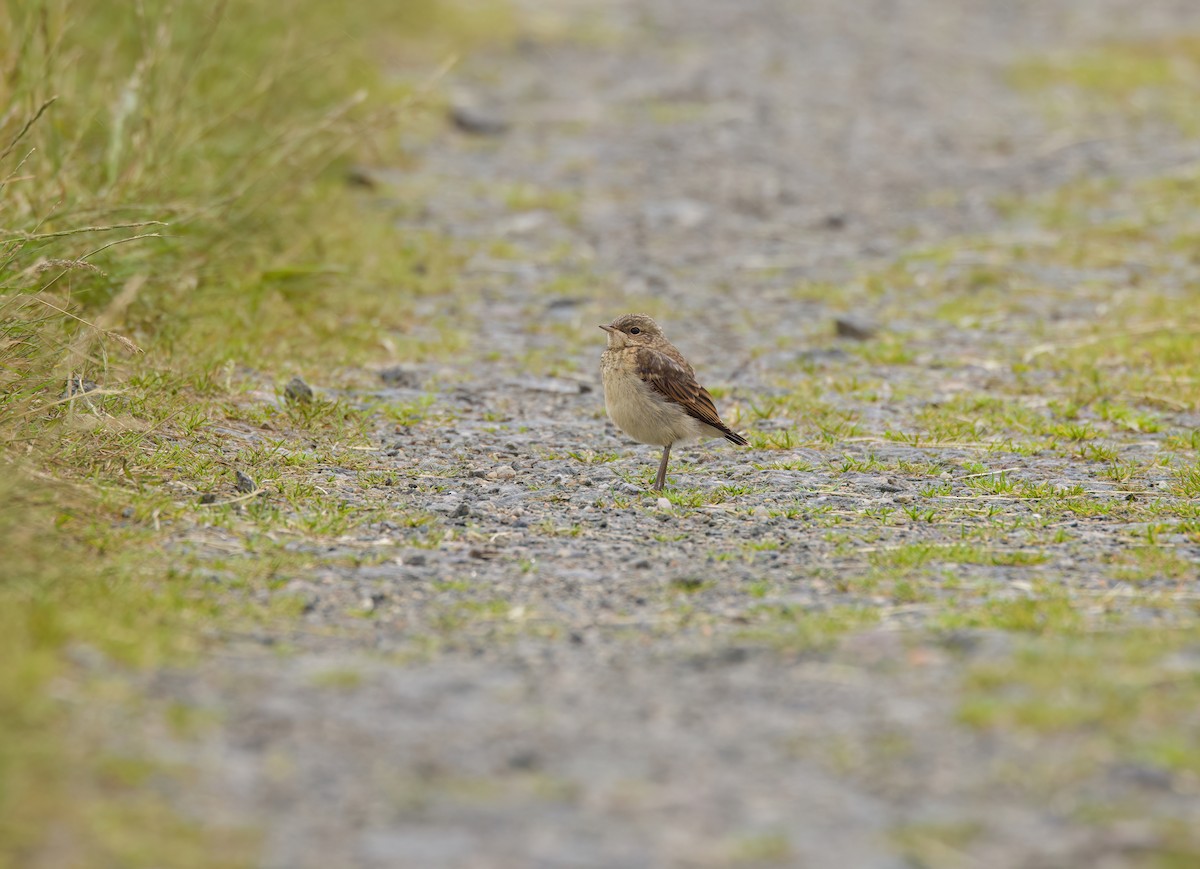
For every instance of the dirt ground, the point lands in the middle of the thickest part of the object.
(536, 663)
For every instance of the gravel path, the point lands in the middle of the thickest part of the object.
(558, 670)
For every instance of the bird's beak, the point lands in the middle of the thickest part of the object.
(606, 328)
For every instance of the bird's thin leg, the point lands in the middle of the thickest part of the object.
(661, 480)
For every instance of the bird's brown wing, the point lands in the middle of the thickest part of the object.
(677, 383)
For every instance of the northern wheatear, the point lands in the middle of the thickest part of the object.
(651, 393)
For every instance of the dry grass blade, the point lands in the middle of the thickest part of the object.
(79, 230)
(66, 264)
(124, 241)
(127, 343)
(28, 124)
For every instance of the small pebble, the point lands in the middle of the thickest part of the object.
(79, 385)
(298, 391)
(855, 328)
(362, 176)
(662, 504)
(478, 121)
(401, 377)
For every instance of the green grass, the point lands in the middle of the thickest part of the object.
(175, 227)
(791, 629)
(1100, 702)
(1145, 81)
(918, 554)
(936, 844)
(80, 586)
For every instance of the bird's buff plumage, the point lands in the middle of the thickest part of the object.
(651, 392)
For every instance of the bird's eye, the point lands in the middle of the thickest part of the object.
(635, 331)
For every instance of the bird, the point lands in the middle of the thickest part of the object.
(651, 392)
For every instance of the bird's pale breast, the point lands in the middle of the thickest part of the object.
(643, 414)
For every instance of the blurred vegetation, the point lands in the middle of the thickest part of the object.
(174, 215)
(1143, 81)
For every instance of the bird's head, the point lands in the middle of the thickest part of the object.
(632, 329)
